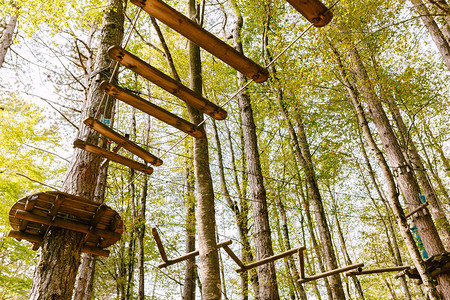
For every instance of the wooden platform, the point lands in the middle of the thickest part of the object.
(167, 83)
(31, 216)
(436, 264)
(203, 38)
(313, 10)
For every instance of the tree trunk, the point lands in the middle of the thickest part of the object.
(392, 189)
(54, 277)
(209, 259)
(433, 29)
(6, 39)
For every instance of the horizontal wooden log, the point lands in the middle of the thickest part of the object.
(379, 270)
(20, 235)
(151, 109)
(189, 255)
(331, 272)
(269, 259)
(67, 224)
(167, 83)
(95, 251)
(313, 10)
(159, 244)
(123, 141)
(420, 207)
(203, 38)
(113, 156)
(233, 256)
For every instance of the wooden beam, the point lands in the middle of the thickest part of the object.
(159, 244)
(95, 251)
(375, 271)
(56, 205)
(151, 109)
(203, 38)
(269, 259)
(420, 207)
(113, 156)
(233, 256)
(331, 272)
(20, 235)
(189, 255)
(301, 260)
(167, 83)
(313, 10)
(123, 142)
(67, 224)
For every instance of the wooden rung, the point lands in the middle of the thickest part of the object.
(151, 109)
(56, 205)
(203, 38)
(167, 83)
(67, 224)
(331, 272)
(19, 235)
(301, 260)
(113, 156)
(313, 10)
(420, 207)
(123, 142)
(95, 251)
(233, 256)
(190, 255)
(159, 244)
(379, 270)
(269, 259)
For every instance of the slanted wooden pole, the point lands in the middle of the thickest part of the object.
(160, 246)
(167, 83)
(151, 109)
(123, 141)
(420, 207)
(190, 255)
(268, 259)
(375, 271)
(113, 156)
(233, 256)
(203, 38)
(313, 10)
(331, 272)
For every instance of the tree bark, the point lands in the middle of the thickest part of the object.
(6, 39)
(209, 259)
(54, 277)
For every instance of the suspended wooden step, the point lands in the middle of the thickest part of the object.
(113, 156)
(203, 38)
(313, 10)
(151, 109)
(167, 83)
(168, 262)
(376, 271)
(123, 141)
(31, 216)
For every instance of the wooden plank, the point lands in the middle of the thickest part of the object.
(151, 109)
(189, 255)
(95, 251)
(301, 260)
(313, 10)
(159, 244)
(113, 156)
(67, 224)
(420, 207)
(123, 142)
(233, 256)
(19, 235)
(167, 83)
(331, 272)
(203, 38)
(375, 271)
(269, 259)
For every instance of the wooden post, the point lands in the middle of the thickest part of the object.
(190, 255)
(113, 156)
(313, 10)
(301, 260)
(268, 259)
(56, 205)
(166, 82)
(331, 272)
(123, 142)
(203, 38)
(420, 207)
(151, 109)
(375, 271)
(160, 246)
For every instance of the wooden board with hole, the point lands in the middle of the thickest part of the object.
(313, 10)
(31, 216)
